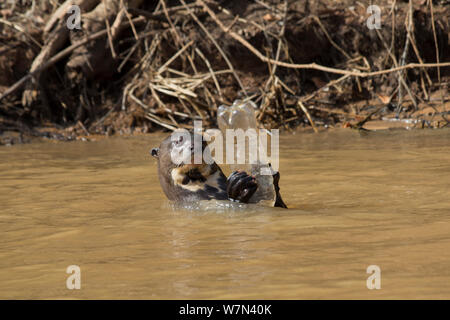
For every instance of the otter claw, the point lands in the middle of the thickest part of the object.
(241, 186)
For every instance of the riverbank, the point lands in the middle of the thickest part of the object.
(9, 138)
(154, 66)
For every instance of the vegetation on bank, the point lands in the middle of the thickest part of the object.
(141, 66)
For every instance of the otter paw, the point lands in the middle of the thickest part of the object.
(241, 186)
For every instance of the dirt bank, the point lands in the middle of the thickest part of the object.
(156, 65)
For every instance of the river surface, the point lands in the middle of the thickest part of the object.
(354, 201)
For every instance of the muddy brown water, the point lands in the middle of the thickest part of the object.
(355, 201)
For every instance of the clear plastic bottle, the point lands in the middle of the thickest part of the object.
(241, 115)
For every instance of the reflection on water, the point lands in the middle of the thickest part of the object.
(381, 199)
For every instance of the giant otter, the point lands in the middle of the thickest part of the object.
(193, 182)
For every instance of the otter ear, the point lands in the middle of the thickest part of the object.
(155, 152)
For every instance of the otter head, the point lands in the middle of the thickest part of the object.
(184, 163)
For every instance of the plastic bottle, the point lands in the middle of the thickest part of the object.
(241, 115)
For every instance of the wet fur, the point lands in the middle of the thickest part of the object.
(189, 182)
(194, 182)
(200, 182)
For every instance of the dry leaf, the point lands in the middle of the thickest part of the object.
(269, 17)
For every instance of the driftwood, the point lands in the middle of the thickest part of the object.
(60, 55)
(56, 35)
(96, 59)
(94, 53)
